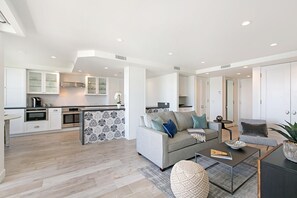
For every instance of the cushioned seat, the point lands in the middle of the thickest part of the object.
(180, 140)
(211, 134)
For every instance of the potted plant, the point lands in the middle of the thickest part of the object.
(117, 97)
(290, 145)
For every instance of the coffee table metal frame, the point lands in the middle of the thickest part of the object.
(221, 161)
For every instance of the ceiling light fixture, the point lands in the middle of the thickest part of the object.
(245, 67)
(115, 74)
(248, 76)
(273, 44)
(170, 53)
(202, 62)
(206, 73)
(105, 67)
(79, 70)
(238, 73)
(119, 40)
(245, 23)
(53, 57)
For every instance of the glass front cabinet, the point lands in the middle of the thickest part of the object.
(43, 82)
(96, 85)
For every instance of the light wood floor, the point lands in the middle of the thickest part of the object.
(57, 165)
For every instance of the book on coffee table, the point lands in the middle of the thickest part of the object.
(220, 154)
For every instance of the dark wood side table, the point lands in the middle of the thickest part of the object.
(277, 176)
(223, 126)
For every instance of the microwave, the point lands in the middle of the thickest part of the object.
(36, 115)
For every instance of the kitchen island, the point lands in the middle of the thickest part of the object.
(99, 124)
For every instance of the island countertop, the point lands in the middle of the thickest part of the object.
(107, 108)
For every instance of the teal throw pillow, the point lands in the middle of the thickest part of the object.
(200, 122)
(157, 124)
(170, 128)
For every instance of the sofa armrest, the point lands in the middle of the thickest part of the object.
(218, 127)
(153, 145)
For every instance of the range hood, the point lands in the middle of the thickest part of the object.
(73, 84)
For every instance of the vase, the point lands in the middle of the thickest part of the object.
(290, 150)
(118, 106)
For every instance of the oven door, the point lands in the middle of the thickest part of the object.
(36, 115)
(70, 119)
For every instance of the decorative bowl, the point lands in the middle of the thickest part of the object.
(234, 144)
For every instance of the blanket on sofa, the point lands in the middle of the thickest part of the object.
(198, 134)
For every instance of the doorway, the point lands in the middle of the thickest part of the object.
(229, 99)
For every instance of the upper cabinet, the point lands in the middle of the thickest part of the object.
(14, 87)
(43, 82)
(96, 85)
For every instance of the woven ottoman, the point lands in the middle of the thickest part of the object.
(189, 179)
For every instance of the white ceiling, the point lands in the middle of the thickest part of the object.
(193, 30)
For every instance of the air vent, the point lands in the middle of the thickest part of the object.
(3, 18)
(176, 68)
(225, 66)
(120, 57)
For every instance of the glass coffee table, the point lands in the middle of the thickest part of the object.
(238, 157)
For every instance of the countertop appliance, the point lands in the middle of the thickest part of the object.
(39, 114)
(36, 102)
(70, 117)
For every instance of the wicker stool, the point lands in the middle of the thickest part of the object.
(189, 179)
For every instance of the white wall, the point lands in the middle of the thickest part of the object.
(163, 89)
(135, 86)
(191, 93)
(76, 96)
(256, 92)
(2, 170)
(245, 98)
(202, 96)
(215, 97)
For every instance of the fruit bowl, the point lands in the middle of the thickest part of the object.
(234, 144)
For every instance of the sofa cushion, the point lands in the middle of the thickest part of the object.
(180, 140)
(157, 124)
(200, 122)
(211, 134)
(184, 120)
(165, 116)
(170, 128)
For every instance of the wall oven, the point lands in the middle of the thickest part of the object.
(35, 115)
(70, 117)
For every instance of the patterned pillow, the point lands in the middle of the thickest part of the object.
(200, 122)
(157, 124)
(170, 128)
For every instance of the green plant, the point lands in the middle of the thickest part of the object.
(290, 128)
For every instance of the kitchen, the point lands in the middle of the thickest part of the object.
(51, 101)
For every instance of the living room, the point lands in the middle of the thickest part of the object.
(205, 65)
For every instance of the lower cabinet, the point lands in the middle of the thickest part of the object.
(55, 118)
(185, 109)
(36, 126)
(16, 125)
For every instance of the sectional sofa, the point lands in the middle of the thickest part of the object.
(164, 151)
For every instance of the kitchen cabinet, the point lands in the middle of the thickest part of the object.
(14, 87)
(185, 109)
(36, 126)
(55, 118)
(16, 125)
(40, 82)
(96, 85)
(279, 92)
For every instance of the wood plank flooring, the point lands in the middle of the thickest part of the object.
(57, 165)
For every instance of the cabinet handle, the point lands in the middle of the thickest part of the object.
(294, 113)
(36, 127)
(287, 112)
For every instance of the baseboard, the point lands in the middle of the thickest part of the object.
(2, 175)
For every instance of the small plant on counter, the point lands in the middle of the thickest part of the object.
(117, 97)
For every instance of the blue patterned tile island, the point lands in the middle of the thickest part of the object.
(101, 124)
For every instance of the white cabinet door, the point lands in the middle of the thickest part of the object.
(96, 85)
(16, 125)
(91, 85)
(294, 92)
(275, 93)
(183, 86)
(43, 82)
(51, 84)
(15, 87)
(35, 82)
(55, 118)
(36, 126)
(102, 86)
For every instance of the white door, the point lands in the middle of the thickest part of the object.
(294, 92)
(275, 93)
(245, 98)
(229, 99)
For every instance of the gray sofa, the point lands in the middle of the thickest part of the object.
(164, 151)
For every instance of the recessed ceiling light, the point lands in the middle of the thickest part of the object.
(273, 44)
(119, 40)
(115, 74)
(245, 67)
(79, 70)
(248, 76)
(105, 67)
(53, 57)
(202, 62)
(206, 73)
(238, 73)
(170, 53)
(245, 23)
